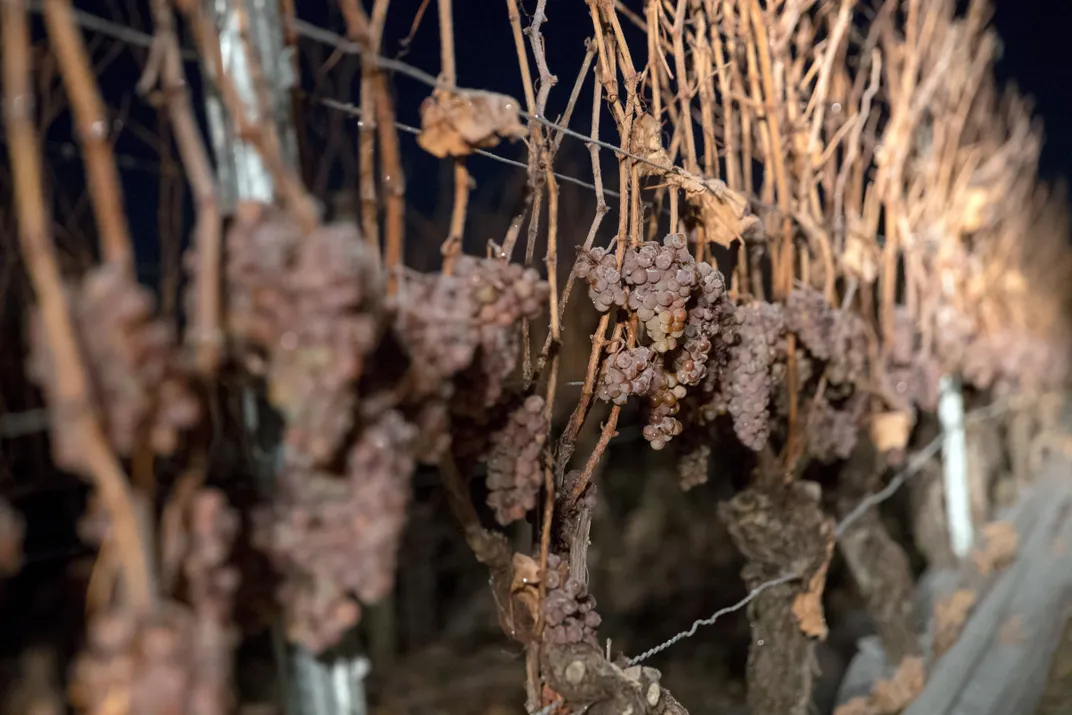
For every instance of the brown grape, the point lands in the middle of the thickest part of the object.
(514, 475)
(135, 381)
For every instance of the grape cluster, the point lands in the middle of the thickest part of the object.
(503, 294)
(211, 584)
(661, 280)
(693, 464)
(956, 338)
(260, 247)
(307, 309)
(1025, 361)
(568, 610)
(135, 381)
(330, 536)
(707, 319)
(599, 268)
(1009, 359)
(378, 469)
(664, 404)
(916, 383)
(911, 379)
(460, 333)
(309, 306)
(514, 476)
(685, 311)
(211, 530)
(178, 657)
(831, 432)
(319, 612)
(751, 373)
(810, 317)
(832, 335)
(848, 358)
(12, 529)
(435, 317)
(628, 373)
(146, 662)
(713, 392)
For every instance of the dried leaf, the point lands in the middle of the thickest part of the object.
(860, 258)
(889, 697)
(999, 545)
(526, 572)
(808, 606)
(725, 214)
(950, 614)
(890, 430)
(646, 141)
(859, 705)
(978, 202)
(458, 122)
(894, 695)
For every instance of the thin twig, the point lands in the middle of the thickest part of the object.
(205, 334)
(453, 245)
(601, 210)
(447, 71)
(605, 436)
(72, 382)
(92, 127)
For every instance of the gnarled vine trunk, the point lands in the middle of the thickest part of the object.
(781, 529)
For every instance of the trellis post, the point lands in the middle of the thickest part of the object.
(309, 685)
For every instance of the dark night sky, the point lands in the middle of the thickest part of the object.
(1035, 37)
(1033, 31)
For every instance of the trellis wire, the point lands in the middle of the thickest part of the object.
(918, 461)
(325, 36)
(131, 36)
(332, 39)
(351, 109)
(710, 620)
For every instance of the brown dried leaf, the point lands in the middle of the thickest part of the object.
(999, 545)
(950, 614)
(978, 203)
(724, 222)
(889, 697)
(455, 123)
(517, 598)
(808, 606)
(860, 258)
(890, 430)
(647, 141)
(724, 213)
(526, 572)
(894, 695)
(859, 705)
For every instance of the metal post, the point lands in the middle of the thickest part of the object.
(242, 174)
(317, 686)
(958, 512)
